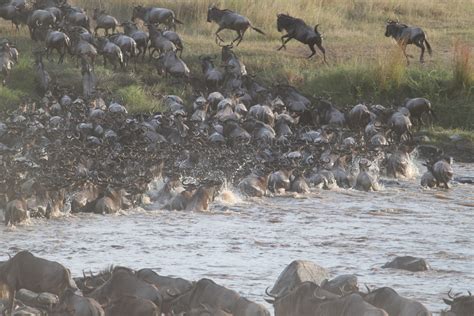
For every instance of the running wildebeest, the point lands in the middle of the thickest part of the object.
(25, 271)
(298, 29)
(227, 19)
(405, 35)
(104, 21)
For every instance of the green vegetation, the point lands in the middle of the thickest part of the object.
(364, 65)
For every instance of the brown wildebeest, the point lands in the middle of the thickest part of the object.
(25, 271)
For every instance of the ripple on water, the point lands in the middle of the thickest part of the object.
(245, 244)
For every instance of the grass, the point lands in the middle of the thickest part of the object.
(364, 65)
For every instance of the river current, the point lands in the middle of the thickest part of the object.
(244, 244)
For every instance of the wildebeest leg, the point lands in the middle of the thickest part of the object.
(217, 34)
(420, 45)
(321, 48)
(311, 46)
(95, 30)
(283, 42)
(404, 49)
(239, 38)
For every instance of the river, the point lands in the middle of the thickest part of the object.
(245, 244)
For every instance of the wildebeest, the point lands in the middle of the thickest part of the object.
(89, 79)
(212, 74)
(207, 292)
(56, 40)
(418, 107)
(113, 201)
(76, 17)
(130, 305)
(168, 287)
(111, 52)
(227, 19)
(298, 29)
(40, 18)
(25, 271)
(203, 196)
(104, 21)
(350, 305)
(43, 78)
(400, 124)
(153, 15)
(127, 45)
(405, 35)
(254, 185)
(141, 38)
(158, 42)
(460, 305)
(8, 58)
(302, 300)
(365, 181)
(124, 282)
(16, 211)
(330, 115)
(232, 64)
(442, 171)
(399, 162)
(170, 63)
(82, 49)
(395, 305)
(79, 305)
(408, 263)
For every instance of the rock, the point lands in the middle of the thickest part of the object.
(409, 263)
(296, 273)
(342, 284)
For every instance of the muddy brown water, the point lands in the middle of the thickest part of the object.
(245, 244)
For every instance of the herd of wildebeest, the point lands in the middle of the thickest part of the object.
(71, 152)
(36, 286)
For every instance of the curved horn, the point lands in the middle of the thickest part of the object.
(316, 28)
(271, 295)
(170, 294)
(469, 292)
(449, 293)
(322, 298)
(368, 289)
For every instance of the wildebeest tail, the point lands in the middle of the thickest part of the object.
(257, 29)
(428, 46)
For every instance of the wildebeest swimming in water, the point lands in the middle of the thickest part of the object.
(298, 29)
(405, 35)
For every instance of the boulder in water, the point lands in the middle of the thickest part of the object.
(409, 263)
(296, 273)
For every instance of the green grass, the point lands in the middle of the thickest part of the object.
(364, 65)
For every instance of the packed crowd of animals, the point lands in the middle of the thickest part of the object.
(81, 151)
(37, 286)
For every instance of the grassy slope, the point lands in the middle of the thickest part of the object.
(363, 64)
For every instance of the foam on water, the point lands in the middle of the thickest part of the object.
(246, 243)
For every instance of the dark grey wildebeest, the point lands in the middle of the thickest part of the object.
(227, 19)
(298, 29)
(153, 15)
(405, 35)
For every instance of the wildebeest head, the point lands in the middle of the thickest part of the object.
(393, 28)
(138, 12)
(460, 305)
(212, 13)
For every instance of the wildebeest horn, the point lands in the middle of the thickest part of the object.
(322, 298)
(268, 293)
(368, 289)
(316, 28)
(170, 294)
(469, 292)
(449, 293)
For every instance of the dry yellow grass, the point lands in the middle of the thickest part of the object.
(364, 65)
